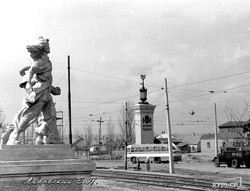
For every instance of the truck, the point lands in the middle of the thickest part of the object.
(233, 157)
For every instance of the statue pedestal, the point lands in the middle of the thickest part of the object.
(144, 128)
(44, 168)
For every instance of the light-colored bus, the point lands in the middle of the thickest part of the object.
(155, 152)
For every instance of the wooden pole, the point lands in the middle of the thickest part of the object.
(215, 132)
(100, 132)
(126, 142)
(171, 163)
(69, 103)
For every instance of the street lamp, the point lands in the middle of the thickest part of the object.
(143, 90)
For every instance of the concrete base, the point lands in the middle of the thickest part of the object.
(43, 168)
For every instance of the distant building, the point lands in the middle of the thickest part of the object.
(240, 127)
(230, 134)
(79, 147)
(224, 140)
(163, 139)
(190, 144)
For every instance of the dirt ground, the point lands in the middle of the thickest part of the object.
(198, 165)
(196, 169)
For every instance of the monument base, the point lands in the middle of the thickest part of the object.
(144, 127)
(44, 168)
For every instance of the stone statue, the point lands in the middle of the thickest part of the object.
(37, 102)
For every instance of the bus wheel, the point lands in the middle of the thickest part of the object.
(235, 163)
(216, 162)
(157, 160)
(133, 160)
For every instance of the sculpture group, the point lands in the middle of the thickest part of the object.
(38, 105)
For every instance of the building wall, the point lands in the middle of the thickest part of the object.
(208, 146)
(194, 148)
(221, 144)
(231, 130)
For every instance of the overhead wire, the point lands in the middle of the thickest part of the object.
(213, 92)
(112, 77)
(201, 81)
(211, 79)
(63, 76)
(114, 101)
(173, 87)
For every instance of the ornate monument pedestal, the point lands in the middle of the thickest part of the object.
(44, 168)
(144, 128)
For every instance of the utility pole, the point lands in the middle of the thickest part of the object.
(100, 132)
(126, 142)
(69, 103)
(215, 132)
(171, 163)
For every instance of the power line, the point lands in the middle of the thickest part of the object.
(85, 102)
(187, 84)
(108, 102)
(112, 77)
(202, 81)
(211, 92)
(211, 79)
(63, 76)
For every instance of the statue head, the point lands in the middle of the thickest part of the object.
(38, 50)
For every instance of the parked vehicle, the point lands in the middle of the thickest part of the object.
(154, 152)
(233, 157)
(94, 150)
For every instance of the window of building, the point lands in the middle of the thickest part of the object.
(208, 144)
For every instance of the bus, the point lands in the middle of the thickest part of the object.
(155, 152)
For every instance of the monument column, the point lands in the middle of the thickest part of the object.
(143, 111)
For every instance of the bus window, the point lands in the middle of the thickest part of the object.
(128, 150)
(163, 149)
(157, 148)
(141, 149)
(133, 149)
(149, 149)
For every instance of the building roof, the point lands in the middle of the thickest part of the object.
(110, 142)
(234, 124)
(80, 140)
(222, 136)
(164, 139)
(79, 144)
(191, 140)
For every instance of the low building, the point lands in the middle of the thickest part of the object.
(190, 144)
(224, 140)
(230, 134)
(79, 147)
(163, 139)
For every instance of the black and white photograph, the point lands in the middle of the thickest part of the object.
(124, 95)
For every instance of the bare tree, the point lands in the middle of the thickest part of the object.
(110, 130)
(238, 120)
(2, 119)
(130, 123)
(88, 135)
